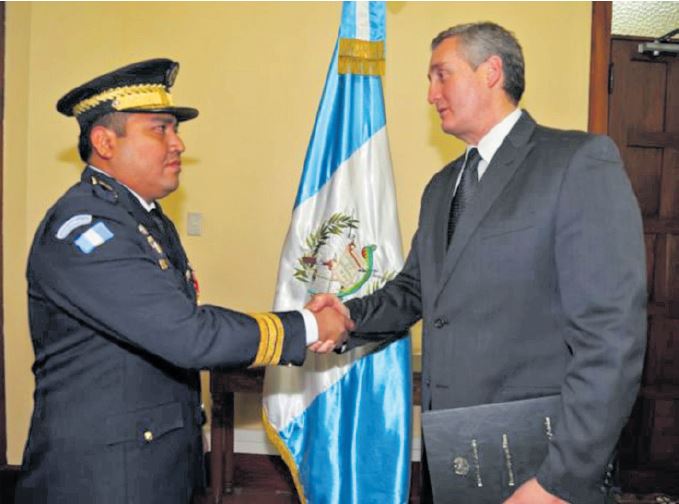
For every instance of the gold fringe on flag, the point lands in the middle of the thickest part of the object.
(287, 457)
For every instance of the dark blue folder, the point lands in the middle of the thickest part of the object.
(482, 454)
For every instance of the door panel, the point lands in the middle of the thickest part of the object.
(644, 167)
(643, 120)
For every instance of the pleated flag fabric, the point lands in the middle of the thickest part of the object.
(343, 422)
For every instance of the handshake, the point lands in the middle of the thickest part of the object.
(334, 322)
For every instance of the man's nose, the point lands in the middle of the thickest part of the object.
(176, 143)
(432, 93)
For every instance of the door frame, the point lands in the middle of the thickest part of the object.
(600, 61)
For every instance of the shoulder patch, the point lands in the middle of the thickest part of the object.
(93, 237)
(72, 223)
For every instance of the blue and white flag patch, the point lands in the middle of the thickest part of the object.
(93, 237)
(72, 223)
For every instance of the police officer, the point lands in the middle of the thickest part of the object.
(117, 333)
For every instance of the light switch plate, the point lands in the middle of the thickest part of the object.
(194, 224)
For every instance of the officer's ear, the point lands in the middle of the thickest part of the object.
(103, 141)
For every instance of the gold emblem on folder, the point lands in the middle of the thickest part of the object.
(460, 466)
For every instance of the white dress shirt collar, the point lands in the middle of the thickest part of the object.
(146, 205)
(491, 142)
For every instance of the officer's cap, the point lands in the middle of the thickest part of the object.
(139, 87)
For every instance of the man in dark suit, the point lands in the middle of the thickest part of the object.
(116, 328)
(527, 267)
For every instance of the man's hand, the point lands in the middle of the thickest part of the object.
(328, 310)
(531, 492)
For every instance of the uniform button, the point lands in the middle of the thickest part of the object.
(440, 322)
(148, 436)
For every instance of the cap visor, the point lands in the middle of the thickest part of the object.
(181, 113)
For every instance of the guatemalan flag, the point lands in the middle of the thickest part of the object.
(342, 423)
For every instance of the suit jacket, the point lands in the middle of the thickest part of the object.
(541, 291)
(119, 339)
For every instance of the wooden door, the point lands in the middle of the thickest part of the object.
(643, 119)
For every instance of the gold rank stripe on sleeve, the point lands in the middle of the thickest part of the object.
(271, 336)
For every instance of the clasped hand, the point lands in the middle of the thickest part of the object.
(333, 319)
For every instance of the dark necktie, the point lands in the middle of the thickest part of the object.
(465, 189)
(168, 237)
(158, 219)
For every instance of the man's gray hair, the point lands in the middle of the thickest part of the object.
(480, 41)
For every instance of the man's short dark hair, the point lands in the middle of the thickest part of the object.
(114, 121)
(480, 41)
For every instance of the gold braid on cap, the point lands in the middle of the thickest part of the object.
(127, 97)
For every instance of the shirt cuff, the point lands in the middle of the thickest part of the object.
(310, 325)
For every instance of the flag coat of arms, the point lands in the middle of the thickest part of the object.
(343, 423)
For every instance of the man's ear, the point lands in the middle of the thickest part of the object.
(494, 71)
(103, 141)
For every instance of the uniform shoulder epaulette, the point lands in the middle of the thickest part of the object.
(103, 189)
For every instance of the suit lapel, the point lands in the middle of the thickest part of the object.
(502, 168)
(442, 213)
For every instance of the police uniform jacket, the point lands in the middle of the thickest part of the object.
(118, 340)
